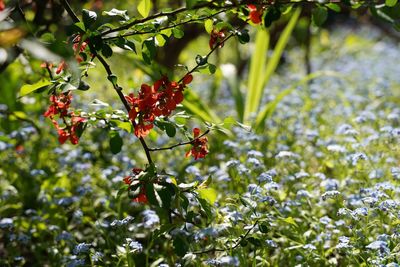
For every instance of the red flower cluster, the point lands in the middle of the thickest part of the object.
(255, 14)
(200, 147)
(2, 5)
(216, 37)
(60, 105)
(78, 47)
(141, 197)
(154, 101)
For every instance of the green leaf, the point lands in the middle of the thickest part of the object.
(166, 196)
(170, 129)
(390, 3)
(88, 17)
(243, 36)
(178, 32)
(117, 13)
(180, 246)
(29, 88)
(106, 51)
(263, 227)
(254, 240)
(151, 194)
(319, 15)
(257, 68)
(149, 50)
(334, 7)
(124, 125)
(273, 13)
(83, 86)
(115, 142)
(259, 77)
(208, 194)
(144, 7)
(206, 207)
(161, 40)
(113, 79)
(209, 25)
(201, 60)
(289, 220)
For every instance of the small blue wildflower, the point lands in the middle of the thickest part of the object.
(19, 258)
(271, 243)
(380, 246)
(330, 194)
(310, 247)
(343, 243)
(325, 220)
(360, 212)
(303, 194)
(255, 163)
(135, 246)
(81, 248)
(270, 200)
(76, 263)
(6, 223)
(229, 261)
(265, 177)
(232, 163)
(387, 205)
(254, 189)
(97, 256)
(66, 201)
(336, 148)
(254, 154)
(64, 236)
(150, 218)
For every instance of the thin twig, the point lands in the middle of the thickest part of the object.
(166, 27)
(117, 88)
(181, 143)
(241, 238)
(167, 14)
(216, 46)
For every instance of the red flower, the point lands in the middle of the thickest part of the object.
(154, 101)
(128, 180)
(255, 14)
(60, 105)
(142, 129)
(141, 198)
(199, 145)
(216, 37)
(2, 5)
(61, 67)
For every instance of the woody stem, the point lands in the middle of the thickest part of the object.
(117, 88)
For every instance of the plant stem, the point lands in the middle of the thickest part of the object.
(117, 88)
(180, 144)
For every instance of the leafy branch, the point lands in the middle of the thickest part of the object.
(111, 77)
(181, 143)
(237, 243)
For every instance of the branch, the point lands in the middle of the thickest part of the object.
(117, 88)
(228, 248)
(216, 46)
(166, 27)
(168, 14)
(69, 10)
(181, 143)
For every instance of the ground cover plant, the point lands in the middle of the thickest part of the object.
(117, 150)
